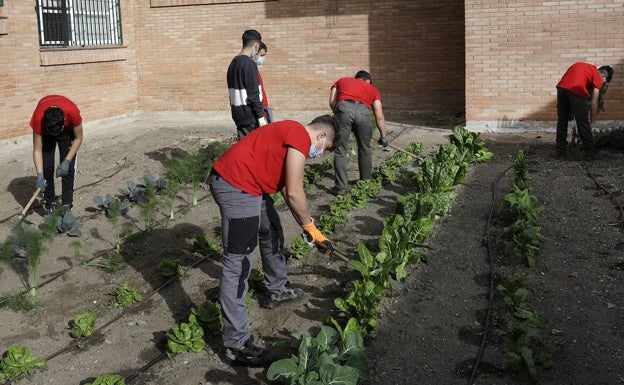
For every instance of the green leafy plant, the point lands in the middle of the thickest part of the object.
(111, 206)
(168, 269)
(83, 325)
(331, 357)
(29, 242)
(111, 264)
(169, 195)
(149, 203)
(186, 337)
(204, 244)
(18, 301)
(68, 223)
(108, 379)
(209, 315)
(298, 248)
(17, 361)
(125, 296)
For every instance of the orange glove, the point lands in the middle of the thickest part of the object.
(313, 236)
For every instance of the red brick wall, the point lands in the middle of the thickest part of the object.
(413, 49)
(516, 52)
(101, 82)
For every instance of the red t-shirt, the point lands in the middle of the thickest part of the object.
(265, 100)
(357, 90)
(71, 111)
(580, 78)
(256, 163)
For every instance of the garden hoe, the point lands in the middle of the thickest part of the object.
(30, 202)
(334, 252)
(399, 149)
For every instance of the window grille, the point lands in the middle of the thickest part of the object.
(79, 23)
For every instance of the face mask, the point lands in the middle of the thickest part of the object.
(254, 52)
(260, 60)
(314, 153)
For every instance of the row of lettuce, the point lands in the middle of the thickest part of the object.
(336, 353)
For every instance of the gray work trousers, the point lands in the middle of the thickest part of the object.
(244, 219)
(356, 117)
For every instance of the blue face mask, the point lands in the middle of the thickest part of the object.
(314, 153)
(260, 60)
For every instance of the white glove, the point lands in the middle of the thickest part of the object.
(262, 121)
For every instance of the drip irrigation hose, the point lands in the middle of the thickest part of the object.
(486, 327)
(606, 191)
(145, 368)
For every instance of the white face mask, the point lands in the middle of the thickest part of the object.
(314, 153)
(260, 60)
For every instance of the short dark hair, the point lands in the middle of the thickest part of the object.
(361, 74)
(53, 120)
(327, 123)
(251, 36)
(608, 71)
(263, 47)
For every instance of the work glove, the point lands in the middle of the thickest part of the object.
(62, 169)
(262, 121)
(314, 237)
(41, 182)
(383, 141)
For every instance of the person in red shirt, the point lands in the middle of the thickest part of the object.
(582, 81)
(259, 59)
(56, 121)
(267, 160)
(352, 100)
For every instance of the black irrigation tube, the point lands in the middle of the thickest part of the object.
(76, 343)
(606, 191)
(479, 357)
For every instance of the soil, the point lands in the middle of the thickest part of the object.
(430, 327)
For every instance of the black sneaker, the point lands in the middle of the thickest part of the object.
(287, 295)
(251, 355)
(50, 206)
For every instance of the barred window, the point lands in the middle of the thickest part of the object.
(79, 23)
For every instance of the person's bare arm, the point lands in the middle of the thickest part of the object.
(594, 104)
(293, 192)
(38, 153)
(333, 97)
(73, 150)
(379, 117)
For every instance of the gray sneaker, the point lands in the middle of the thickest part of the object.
(288, 295)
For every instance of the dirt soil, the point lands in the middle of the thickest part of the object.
(430, 327)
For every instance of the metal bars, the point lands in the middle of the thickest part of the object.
(79, 23)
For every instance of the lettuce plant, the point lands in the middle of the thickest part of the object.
(186, 337)
(17, 361)
(83, 325)
(125, 296)
(209, 315)
(168, 269)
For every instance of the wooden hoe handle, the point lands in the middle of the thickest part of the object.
(30, 202)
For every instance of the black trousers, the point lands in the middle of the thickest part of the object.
(568, 104)
(63, 141)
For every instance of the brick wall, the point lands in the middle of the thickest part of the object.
(102, 82)
(516, 52)
(413, 49)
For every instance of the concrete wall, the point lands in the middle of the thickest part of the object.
(516, 52)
